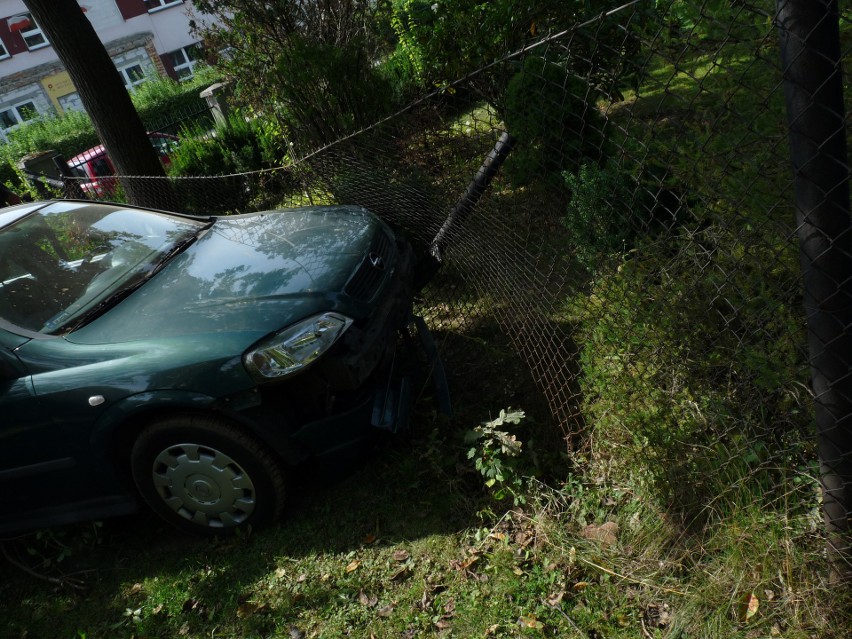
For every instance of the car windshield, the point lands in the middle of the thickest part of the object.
(63, 262)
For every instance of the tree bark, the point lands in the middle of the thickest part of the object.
(813, 88)
(105, 99)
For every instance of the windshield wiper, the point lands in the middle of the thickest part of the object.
(177, 249)
(103, 305)
(116, 296)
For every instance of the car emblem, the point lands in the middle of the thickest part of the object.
(376, 261)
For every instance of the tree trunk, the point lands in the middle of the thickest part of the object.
(105, 99)
(813, 87)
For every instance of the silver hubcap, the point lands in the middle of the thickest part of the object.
(203, 485)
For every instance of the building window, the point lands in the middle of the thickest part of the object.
(3, 52)
(132, 75)
(154, 5)
(184, 61)
(29, 30)
(17, 114)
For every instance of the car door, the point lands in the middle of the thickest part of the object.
(39, 459)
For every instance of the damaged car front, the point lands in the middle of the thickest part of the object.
(191, 361)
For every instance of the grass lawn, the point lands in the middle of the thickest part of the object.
(412, 544)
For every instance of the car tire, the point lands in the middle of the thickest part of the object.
(207, 476)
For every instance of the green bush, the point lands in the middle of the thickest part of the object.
(242, 146)
(316, 70)
(692, 369)
(67, 134)
(448, 40)
(598, 213)
(324, 92)
(555, 120)
(162, 102)
(711, 20)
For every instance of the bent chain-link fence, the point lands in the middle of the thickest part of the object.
(638, 247)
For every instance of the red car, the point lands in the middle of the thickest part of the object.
(95, 165)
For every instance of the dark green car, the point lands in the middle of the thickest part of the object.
(188, 361)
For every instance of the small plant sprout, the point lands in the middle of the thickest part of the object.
(495, 454)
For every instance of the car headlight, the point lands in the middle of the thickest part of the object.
(295, 347)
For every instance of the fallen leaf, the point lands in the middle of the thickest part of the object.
(366, 600)
(530, 622)
(280, 572)
(748, 606)
(302, 578)
(523, 539)
(189, 605)
(442, 624)
(517, 571)
(400, 555)
(250, 608)
(580, 585)
(657, 615)
(370, 539)
(606, 533)
(385, 611)
(555, 599)
(353, 566)
(135, 589)
(400, 574)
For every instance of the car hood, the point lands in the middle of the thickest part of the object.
(251, 274)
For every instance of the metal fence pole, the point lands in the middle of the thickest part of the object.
(810, 55)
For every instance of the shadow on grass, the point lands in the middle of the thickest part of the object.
(393, 497)
(415, 490)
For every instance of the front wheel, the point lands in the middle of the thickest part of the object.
(207, 476)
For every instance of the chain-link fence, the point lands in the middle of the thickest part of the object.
(640, 245)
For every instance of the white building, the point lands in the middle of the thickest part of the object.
(143, 37)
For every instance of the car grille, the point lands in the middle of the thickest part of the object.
(367, 280)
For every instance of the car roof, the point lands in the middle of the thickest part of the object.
(12, 214)
(87, 155)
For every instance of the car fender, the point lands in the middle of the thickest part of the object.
(109, 429)
(116, 429)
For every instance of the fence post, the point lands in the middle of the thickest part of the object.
(813, 89)
(217, 96)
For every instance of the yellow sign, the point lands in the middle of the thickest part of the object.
(57, 86)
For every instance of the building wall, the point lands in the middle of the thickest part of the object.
(135, 35)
